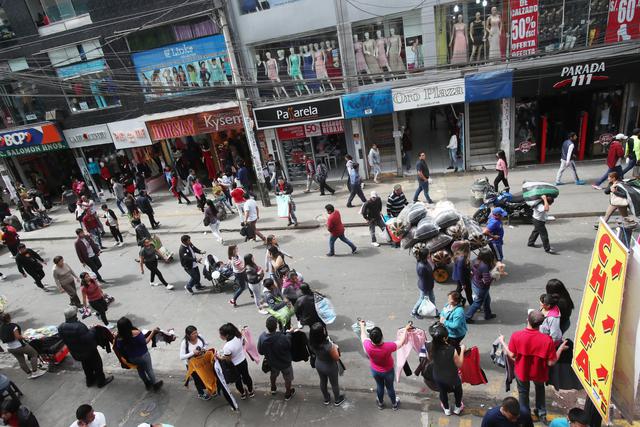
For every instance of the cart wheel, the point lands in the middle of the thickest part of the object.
(440, 275)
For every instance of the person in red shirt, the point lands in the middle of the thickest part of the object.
(533, 352)
(92, 292)
(92, 225)
(614, 159)
(237, 195)
(336, 229)
(11, 239)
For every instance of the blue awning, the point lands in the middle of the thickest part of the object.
(488, 86)
(365, 104)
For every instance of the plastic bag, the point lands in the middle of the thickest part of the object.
(409, 239)
(447, 218)
(402, 220)
(324, 308)
(417, 212)
(438, 242)
(426, 308)
(283, 205)
(369, 325)
(426, 229)
(533, 192)
(283, 315)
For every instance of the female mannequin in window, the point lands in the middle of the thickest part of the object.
(477, 36)
(283, 66)
(261, 76)
(381, 51)
(394, 50)
(494, 29)
(369, 50)
(416, 47)
(459, 42)
(321, 66)
(361, 63)
(294, 62)
(272, 73)
(308, 71)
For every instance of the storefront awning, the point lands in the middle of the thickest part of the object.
(488, 86)
(38, 138)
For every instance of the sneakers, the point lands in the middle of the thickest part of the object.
(204, 396)
(274, 390)
(447, 411)
(243, 396)
(121, 244)
(252, 394)
(596, 187)
(37, 374)
(375, 244)
(190, 292)
(233, 303)
(169, 287)
(559, 183)
(339, 401)
(355, 251)
(116, 243)
(580, 182)
(327, 402)
(263, 311)
(153, 284)
(380, 404)
(288, 395)
(551, 251)
(396, 405)
(3, 277)
(459, 410)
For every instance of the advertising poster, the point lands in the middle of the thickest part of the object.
(38, 139)
(598, 326)
(171, 70)
(624, 21)
(524, 27)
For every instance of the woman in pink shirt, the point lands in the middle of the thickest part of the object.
(503, 171)
(381, 361)
(198, 191)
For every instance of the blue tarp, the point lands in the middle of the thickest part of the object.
(488, 86)
(365, 104)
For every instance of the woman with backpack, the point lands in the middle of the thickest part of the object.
(327, 355)
(92, 292)
(211, 220)
(233, 356)
(255, 274)
(193, 345)
(452, 317)
(447, 359)
(240, 273)
(481, 280)
(132, 344)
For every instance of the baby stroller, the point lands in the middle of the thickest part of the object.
(219, 273)
(51, 349)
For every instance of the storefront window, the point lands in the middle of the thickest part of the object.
(19, 110)
(89, 86)
(526, 138)
(167, 34)
(253, 6)
(6, 32)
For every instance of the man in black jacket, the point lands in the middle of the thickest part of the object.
(29, 262)
(190, 262)
(305, 307)
(144, 204)
(13, 411)
(82, 345)
(372, 211)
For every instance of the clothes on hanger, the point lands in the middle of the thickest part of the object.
(249, 345)
(471, 372)
(416, 339)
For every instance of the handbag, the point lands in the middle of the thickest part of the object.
(324, 308)
(618, 201)
(265, 366)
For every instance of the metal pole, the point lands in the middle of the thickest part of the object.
(244, 108)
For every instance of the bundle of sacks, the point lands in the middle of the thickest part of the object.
(435, 228)
(532, 192)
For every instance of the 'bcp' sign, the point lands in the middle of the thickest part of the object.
(29, 137)
(15, 138)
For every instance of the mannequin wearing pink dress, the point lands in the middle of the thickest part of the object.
(381, 51)
(361, 63)
(320, 66)
(459, 42)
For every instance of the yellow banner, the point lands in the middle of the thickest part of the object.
(597, 332)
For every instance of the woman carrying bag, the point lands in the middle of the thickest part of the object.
(327, 356)
(255, 274)
(193, 345)
(233, 353)
(132, 344)
(617, 198)
(149, 258)
(446, 359)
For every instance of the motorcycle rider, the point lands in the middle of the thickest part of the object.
(495, 231)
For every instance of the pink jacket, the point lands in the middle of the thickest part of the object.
(249, 345)
(197, 190)
(415, 340)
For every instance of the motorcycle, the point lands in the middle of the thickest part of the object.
(514, 204)
(478, 190)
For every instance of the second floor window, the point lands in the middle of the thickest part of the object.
(45, 12)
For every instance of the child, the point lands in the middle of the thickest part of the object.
(111, 221)
(503, 171)
(462, 269)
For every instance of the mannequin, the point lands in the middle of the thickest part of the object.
(283, 66)
(459, 42)
(261, 75)
(218, 75)
(361, 63)
(320, 64)
(369, 50)
(294, 61)
(477, 36)
(416, 47)
(308, 72)
(394, 49)
(494, 30)
(272, 73)
(381, 51)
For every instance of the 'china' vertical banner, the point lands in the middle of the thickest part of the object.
(624, 21)
(524, 27)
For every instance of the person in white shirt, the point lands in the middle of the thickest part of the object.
(252, 215)
(374, 162)
(540, 216)
(233, 352)
(193, 345)
(452, 147)
(87, 417)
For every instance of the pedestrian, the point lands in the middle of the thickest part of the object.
(255, 275)
(279, 268)
(141, 183)
(321, 176)
(291, 286)
(68, 198)
(111, 221)
(452, 148)
(243, 177)
(273, 297)
(355, 183)
(144, 204)
(177, 191)
(423, 178)
(305, 307)
(239, 272)
(92, 293)
(576, 417)
(424, 270)
(11, 335)
(194, 345)
(614, 159)
(268, 266)
(396, 201)
(149, 256)
(551, 324)
(462, 269)
(617, 198)
(211, 220)
(374, 162)
(567, 159)
(327, 355)
(452, 317)
(191, 179)
(198, 192)
(233, 352)
(251, 217)
(118, 191)
(238, 197)
(348, 165)
(82, 345)
(447, 359)
(533, 353)
(275, 346)
(92, 225)
(381, 361)
(11, 239)
(494, 230)
(540, 217)
(190, 262)
(481, 280)
(88, 253)
(65, 278)
(132, 345)
(310, 171)
(372, 212)
(565, 303)
(508, 414)
(30, 262)
(132, 207)
(141, 231)
(16, 415)
(226, 182)
(336, 229)
(503, 171)
(632, 151)
(285, 188)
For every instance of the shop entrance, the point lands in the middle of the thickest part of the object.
(54, 168)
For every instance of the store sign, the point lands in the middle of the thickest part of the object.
(488, 86)
(129, 134)
(81, 69)
(330, 127)
(172, 128)
(217, 121)
(624, 21)
(194, 124)
(88, 136)
(596, 340)
(303, 112)
(375, 103)
(524, 27)
(442, 93)
(37, 139)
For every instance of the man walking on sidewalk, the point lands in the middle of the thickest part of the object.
(189, 261)
(88, 253)
(144, 204)
(321, 175)
(614, 160)
(540, 214)
(632, 150)
(423, 178)
(252, 215)
(567, 159)
(355, 185)
(336, 229)
(310, 170)
(372, 213)
(374, 162)
(29, 262)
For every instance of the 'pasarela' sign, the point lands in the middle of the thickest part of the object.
(299, 113)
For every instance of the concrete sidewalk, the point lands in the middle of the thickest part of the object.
(574, 201)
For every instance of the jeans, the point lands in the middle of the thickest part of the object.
(496, 248)
(564, 165)
(372, 227)
(96, 237)
(215, 230)
(256, 288)
(630, 165)
(310, 182)
(145, 368)
(604, 177)
(385, 379)
(356, 190)
(152, 266)
(119, 205)
(324, 186)
(94, 265)
(445, 389)
(523, 396)
(241, 280)
(328, 373)
(429, 294)
(423, 186)
(332, 243)
(481, 298)
(243, 377)
(292, 214)
(453, 157)
(28, 351)
(194, 278)
(92, 367)
(539, 229)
